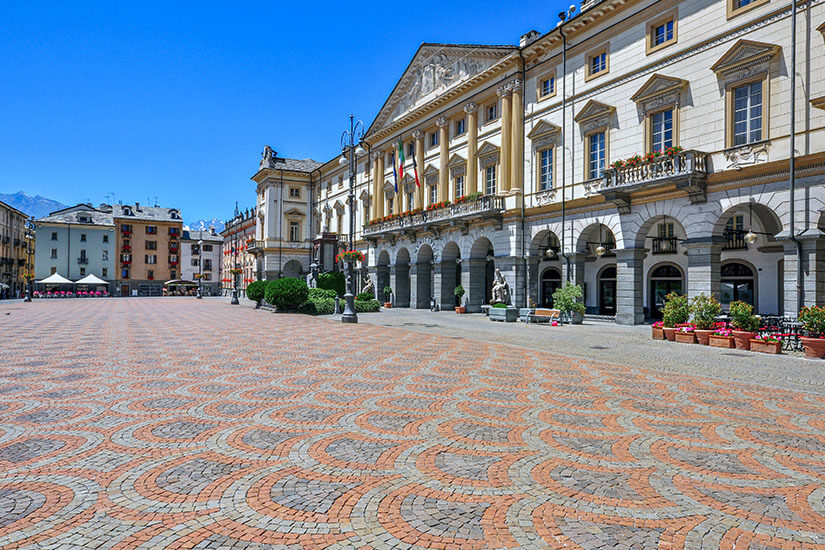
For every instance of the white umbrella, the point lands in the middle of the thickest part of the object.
(91, 279)
(4, 285)
(56, 279)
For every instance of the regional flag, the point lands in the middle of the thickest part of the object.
(400, 159)
(415, 171)
(394, 172)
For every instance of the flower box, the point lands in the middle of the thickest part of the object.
(718, 341)
(658, 333)
(814, 347)
(743, 338)
(762, 346)
(507, 314)
(703, 336)
(670, 333)
(685, 337)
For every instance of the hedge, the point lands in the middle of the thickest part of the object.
(367, 306)
(324, 306)
(308, 308)
(334, 280)
(286, 294)
(365, 296)
(255, 291)
(320, 294)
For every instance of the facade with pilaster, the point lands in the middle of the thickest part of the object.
(640, 148)
(238, 251)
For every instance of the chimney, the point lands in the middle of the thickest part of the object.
(212, 230)
(137, 206)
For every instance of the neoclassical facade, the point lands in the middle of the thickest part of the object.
(639, 148)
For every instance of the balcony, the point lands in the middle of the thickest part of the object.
(687, 170)
(735, 240)
(83, 260)
(454, 214)
(664, 245)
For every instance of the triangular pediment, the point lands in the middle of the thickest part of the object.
(364, 195)
(819, 102)
(486, 148)
(456, 160)
(327, 209)
(430, 170)
(434, 70)
(542, 128)
(593, 109)
(338, 205)
(294, 212)
(657, 85)
(389, 187)
(821, 28)
(745, 52)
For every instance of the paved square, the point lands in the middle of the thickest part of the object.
(174, 423)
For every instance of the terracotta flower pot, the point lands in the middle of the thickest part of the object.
(814, 347)
(743, 339)
(670, 333)
(703, 336)
(761, 346)
(717, 341)
(387, 304)
(460, 309)
(658, 333)
(685, 337)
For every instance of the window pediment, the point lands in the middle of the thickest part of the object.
(338, 205)
(819, 102)
(821, 28)
(294, 212)
(594, 115)
(488, 154)
(745, 54)
(658, 85)
(456, 161)
(389, 189)
(542, 129)
(364, 196)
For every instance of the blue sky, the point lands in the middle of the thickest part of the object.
(177, 99)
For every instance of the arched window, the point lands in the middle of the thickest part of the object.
(607, 291)
(550, 282)
(664, 279)
(738, 283)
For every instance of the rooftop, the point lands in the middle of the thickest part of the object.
(138, 211)
(81, 214)
(194, 235)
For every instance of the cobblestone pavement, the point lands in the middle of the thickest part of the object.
(176, 423)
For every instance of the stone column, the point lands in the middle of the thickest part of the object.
(413, 285)
(704, 266)
(444, 286)
(472, 146)
(474, 272)
(378, 199)
(421, 285)
(574, 270)
(517, 137)
(812, 286)
(443, 158)
(532, 280)
(418, 135)
(382, 276)
(400, 276)
(506, 135)
(630, 279)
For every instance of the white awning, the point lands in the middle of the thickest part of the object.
(91, 279)
(56, 279)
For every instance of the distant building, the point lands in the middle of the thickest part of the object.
(12, 249)
(75, 242)
(148, 245)
(211, 258)
(238, 245)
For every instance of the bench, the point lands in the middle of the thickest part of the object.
(541, 315)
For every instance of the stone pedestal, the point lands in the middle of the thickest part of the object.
(630, 280)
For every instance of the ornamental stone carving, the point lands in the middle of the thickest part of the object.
(418, 133)
(747, 155)
(503, 90)
(442, 122)
(471, 108)
(546, 197)
(515, 85)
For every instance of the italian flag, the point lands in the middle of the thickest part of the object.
(400, 159)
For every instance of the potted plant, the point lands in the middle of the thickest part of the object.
(565, 299)
(657, 332)
(459, 293)
(388, 296)
(813, 321)
(767, 344)
(744, 324)
(704, 311)
(722, 336)
(685, 334)
(675, 313)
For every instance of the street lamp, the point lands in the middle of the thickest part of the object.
(29, 271)
(200, 268)
(351, 149)
(234, 271)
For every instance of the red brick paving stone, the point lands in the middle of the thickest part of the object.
(130, 425)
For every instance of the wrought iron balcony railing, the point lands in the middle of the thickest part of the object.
(665, 245)
(482, 207)
(735, 240)
(83, 260)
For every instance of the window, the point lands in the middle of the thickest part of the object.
(207, 265)
(389, 206)
(124, 274)
(661, 32)
(433, 194)
(53, 270)
(151, 259)
(459, 186)
(547, 86)
(150, 274)
(661, 130)
(598, 63)
(173, 274)
(410, 200)
(747, 113)
(54, 253)
(104, 271)
(340, 181)
(433, 139)
(665, 242)
(460, 127)
(339, 219)
(294, 192)
(83, 237)
(105, 257)
(105, 238)
(490, 180)
(492, 112)
(735, 233)
(151, 245)
(151, 229)
(545, 169)
(194, 262)
(411, 149)
(207, 248)
(736, 7)
(596, 155)
(82, 271)
(294, 232)
(54, 235)
(173, 258)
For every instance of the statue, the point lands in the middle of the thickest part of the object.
(501, 290)
(368, 286)
(267, 156)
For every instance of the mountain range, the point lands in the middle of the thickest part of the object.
(36, 206)
(204, 225)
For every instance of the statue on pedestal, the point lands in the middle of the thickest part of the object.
(501, 290)
(367, 285)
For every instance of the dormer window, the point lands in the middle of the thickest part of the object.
(174, 214)
(127, 211)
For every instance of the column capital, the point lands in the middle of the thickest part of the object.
(503, 90)
(375, 155)
(471, 107)
(515, 84)
(442, 122)
(418, 133)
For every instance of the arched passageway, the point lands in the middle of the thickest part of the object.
(400, 276)
(422, 272)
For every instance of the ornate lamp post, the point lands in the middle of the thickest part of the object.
(351, 149)
(234, 271)
(200, 268)
(29, 270)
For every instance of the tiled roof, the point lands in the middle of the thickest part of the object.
(141, 212)
(298, 165)
(79, 214)
(190, 235)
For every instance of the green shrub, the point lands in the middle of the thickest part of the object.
(459, 292)
(676, 310)
(364, 296)
(813, 319)
(321, 293)
(287, 294)
(704, 310)
(324, 306)
(334, 280)
(742, 317)
(565, 298)
(500, 305)
(367, 306)
(256, 290)
(308, 308)
(388, 293)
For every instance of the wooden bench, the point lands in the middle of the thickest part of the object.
(541, 315)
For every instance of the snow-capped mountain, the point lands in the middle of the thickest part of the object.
(204, 225)
(36, 206)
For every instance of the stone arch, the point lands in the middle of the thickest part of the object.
(481, 272)
(450, 251)
(595, 232)
(763, 216)
(671, 215)
(448, 274)
(660, 285)
(610, 221)
(401, 276)
(382, 272)
(549, 279)
(292, 268)
(481, 247)
(542, 241)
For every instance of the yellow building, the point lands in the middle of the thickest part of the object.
(16, 258)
